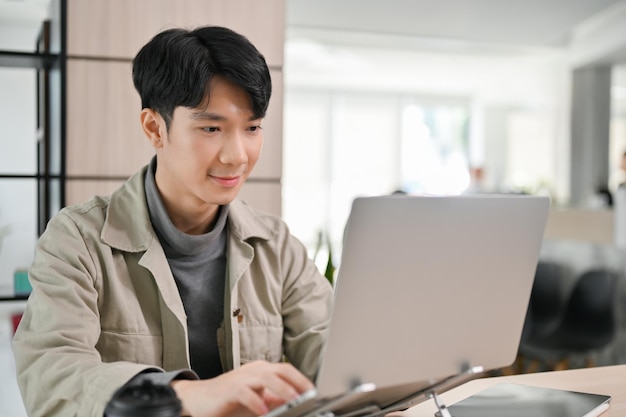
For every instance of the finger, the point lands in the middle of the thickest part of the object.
(253, 401)
(294, 377)
(272, 400)
(277, 386)
(279, 390)
(281, 379)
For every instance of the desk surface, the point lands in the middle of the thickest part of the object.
(607, 380)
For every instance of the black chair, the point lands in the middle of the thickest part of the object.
(545, 309)
(588, 324)
(547, 302)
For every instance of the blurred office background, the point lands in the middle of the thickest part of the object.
(454, 97)
(439, 97)
(418, 95)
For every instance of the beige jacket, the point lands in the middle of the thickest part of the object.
(105, 306)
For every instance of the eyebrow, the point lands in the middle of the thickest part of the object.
(202, 115)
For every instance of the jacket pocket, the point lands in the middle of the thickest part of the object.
(261, 343)
(138, 348)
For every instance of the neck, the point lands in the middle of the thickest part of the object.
(192, 222)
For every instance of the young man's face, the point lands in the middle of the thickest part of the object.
(208, 152)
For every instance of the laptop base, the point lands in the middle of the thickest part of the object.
(354, 403)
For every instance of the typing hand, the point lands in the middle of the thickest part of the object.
(254, 389)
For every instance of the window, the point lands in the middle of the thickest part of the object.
(343, 144)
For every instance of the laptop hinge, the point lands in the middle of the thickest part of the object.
(368, 410)
(443, 410)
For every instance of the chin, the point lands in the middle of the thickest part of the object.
(222, 198)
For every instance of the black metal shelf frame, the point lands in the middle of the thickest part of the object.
(14, 298)
(50, 80)
(36, 60)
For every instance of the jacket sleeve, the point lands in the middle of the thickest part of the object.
(306, 308)
(59, 370)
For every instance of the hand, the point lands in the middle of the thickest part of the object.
(254, 389)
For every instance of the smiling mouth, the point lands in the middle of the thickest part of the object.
(229, 181)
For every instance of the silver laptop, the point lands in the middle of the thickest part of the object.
(430, 292)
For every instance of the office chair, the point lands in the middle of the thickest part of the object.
(545, 309)
(588, 323)
(547, 301)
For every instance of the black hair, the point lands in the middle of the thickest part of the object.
(176, 66)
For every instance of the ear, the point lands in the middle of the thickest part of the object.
(154, 127)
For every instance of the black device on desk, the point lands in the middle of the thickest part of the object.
(517, 400)
(144, 400)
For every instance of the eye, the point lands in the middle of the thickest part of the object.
(255, 128)
(210, 129)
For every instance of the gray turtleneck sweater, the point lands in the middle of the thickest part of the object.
(198, 263)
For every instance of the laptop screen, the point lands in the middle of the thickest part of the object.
(430, 286)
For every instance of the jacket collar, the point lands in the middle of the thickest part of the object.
(127, 225)
(246, 223)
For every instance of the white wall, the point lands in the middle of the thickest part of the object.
(518, 101)
(524, 92)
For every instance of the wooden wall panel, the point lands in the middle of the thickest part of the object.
(104, 139)
(80, 191)
(129, 24)
(263, 196)
(104, 135)
(270, 165)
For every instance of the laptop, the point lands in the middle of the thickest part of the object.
(430, 292)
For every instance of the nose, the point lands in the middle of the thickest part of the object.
(233, 151)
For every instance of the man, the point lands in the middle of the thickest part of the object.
(172, 272)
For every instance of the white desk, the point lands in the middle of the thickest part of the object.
(608, 380)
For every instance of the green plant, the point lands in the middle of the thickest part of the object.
(323, 240)
(4, 232)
